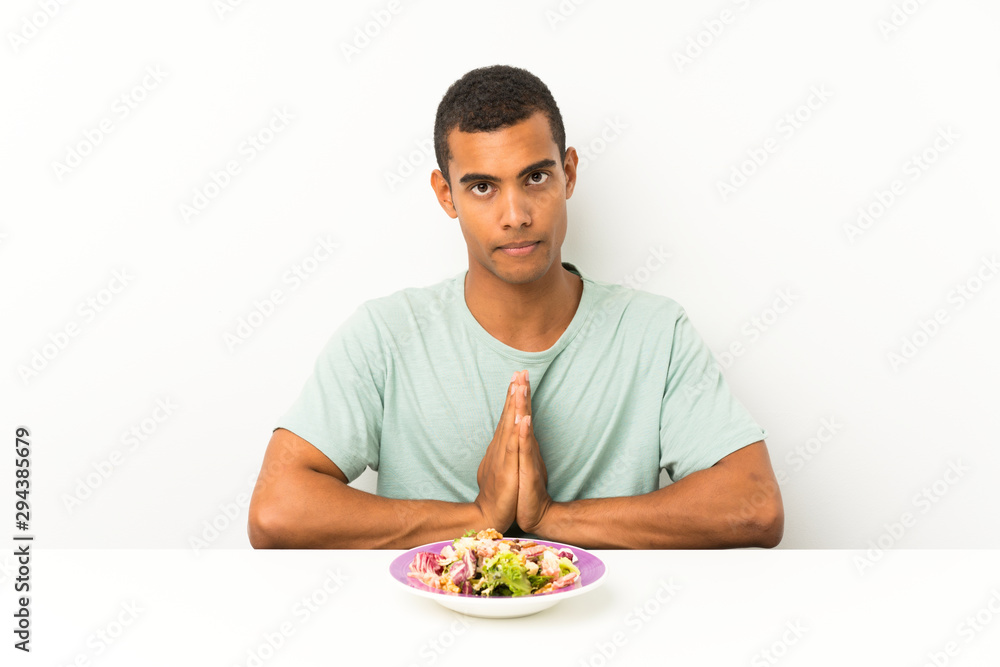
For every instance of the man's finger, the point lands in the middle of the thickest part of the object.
(507, 406)
(513, 435)
(537, 453)
(527, 394)
(519, 402)
(524, 454)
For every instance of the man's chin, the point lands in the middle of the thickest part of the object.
(521, 275)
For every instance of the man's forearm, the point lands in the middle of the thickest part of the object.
(314, 510)
(708, 509)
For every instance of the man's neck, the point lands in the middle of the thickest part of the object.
(529, 317)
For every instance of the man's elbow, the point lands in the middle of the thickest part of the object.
(265, 525)
(769, 524)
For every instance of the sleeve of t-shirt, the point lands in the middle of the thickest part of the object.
(339, 410)
(701, 421)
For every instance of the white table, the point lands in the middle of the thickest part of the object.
(232, 607)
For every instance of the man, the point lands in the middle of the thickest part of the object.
(598, 387)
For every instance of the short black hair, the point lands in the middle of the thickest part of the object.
(492, 98)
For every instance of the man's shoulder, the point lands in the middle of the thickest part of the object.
(414, 302)
(634, 305)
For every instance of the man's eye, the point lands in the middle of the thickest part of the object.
(542, 174)
(481, 188)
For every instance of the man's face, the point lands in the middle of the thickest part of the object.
(509, 191)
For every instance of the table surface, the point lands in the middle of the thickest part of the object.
(742, 607)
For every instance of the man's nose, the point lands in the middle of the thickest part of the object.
(516, 208)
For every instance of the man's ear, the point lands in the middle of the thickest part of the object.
(569, 168)
(443, 192)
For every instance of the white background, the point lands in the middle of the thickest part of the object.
(359, 117)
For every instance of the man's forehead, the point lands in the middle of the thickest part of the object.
(511, 148)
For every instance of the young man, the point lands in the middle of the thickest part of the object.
(519, 395)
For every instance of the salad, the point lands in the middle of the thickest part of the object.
(488, 565)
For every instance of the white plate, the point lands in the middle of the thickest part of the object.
(592, 575)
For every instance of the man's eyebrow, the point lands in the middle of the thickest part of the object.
(548, 162)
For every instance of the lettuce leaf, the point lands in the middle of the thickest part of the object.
(566, 566)
(505, 569)
(468, 533)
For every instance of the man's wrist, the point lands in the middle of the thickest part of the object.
(552, 519)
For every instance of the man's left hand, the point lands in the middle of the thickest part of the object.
(533, 499)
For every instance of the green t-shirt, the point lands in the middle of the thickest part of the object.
(412, 387)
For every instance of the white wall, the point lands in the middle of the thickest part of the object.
(684, 129)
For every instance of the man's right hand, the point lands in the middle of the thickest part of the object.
(498, 475)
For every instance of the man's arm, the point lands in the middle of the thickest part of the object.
(302, 501)
(735, 503)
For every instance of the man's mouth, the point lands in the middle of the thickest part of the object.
(519, 249)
